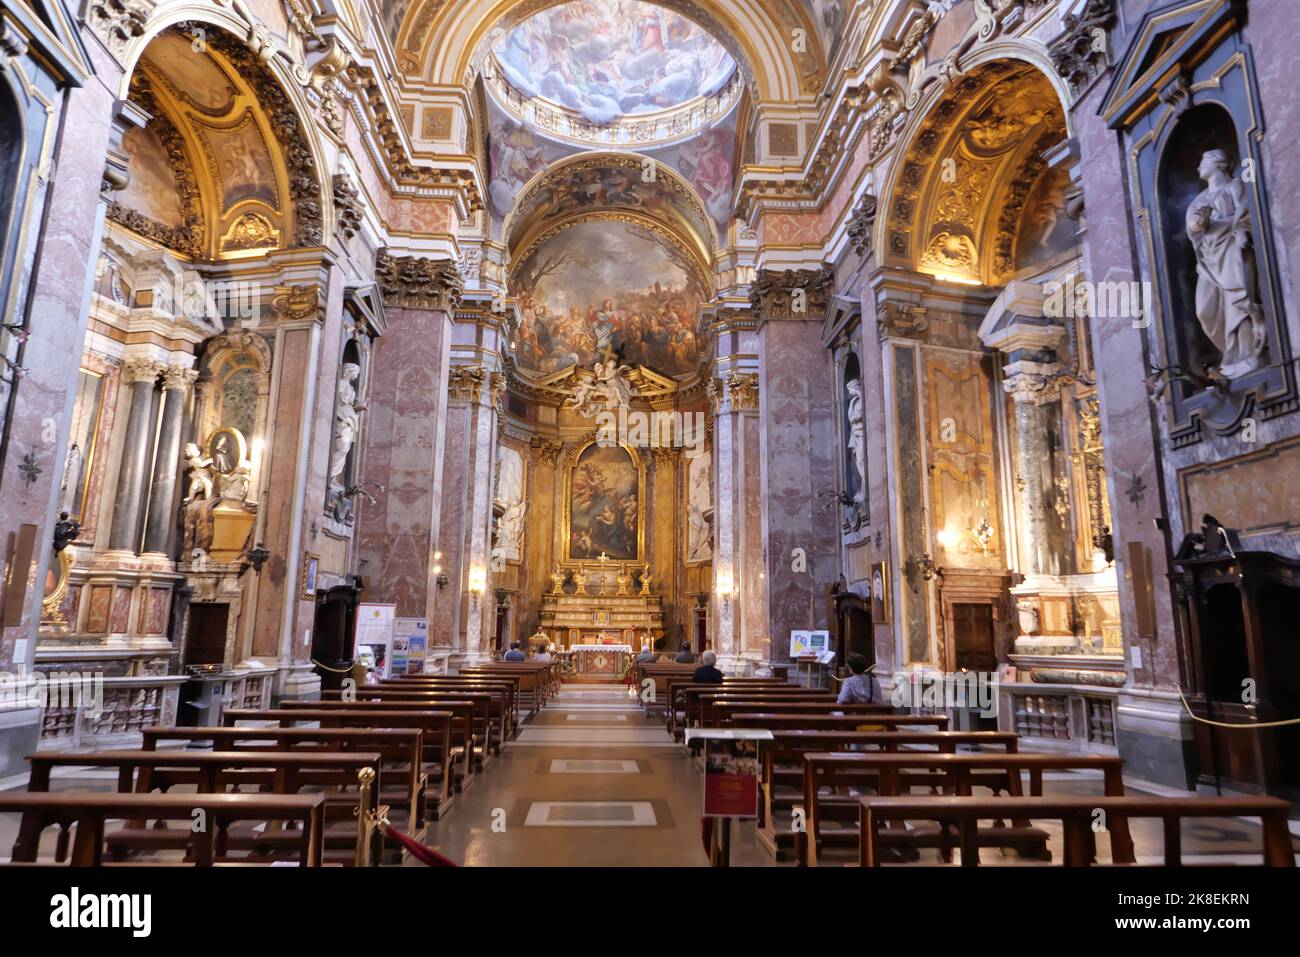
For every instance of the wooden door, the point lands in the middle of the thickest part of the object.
(973, 637)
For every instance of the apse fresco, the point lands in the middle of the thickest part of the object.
(603, 505)
(152, 188)
(609, 58)
(607, 284)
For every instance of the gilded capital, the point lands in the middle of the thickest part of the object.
(792, 293)
(419, 283)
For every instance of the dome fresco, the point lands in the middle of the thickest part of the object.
(606, 59)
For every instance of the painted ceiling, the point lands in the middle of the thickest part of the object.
(606, 59)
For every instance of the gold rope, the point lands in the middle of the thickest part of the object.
(1228, 724)
(337, 671)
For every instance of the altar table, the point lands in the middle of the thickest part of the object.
(600, 659)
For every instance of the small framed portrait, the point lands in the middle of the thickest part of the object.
(880, 593)
(227, 449)
(310, 566)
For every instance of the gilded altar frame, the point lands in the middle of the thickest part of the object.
(566, 523)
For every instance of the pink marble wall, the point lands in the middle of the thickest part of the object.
(60, 290)
(799, 452)
(877, 533)
(448, 606)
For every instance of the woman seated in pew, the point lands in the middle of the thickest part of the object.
(542, 654)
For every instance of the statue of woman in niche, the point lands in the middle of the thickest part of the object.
(347, 420)
(1227, 304)
(857, 436)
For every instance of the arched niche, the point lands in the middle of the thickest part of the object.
(234, 389)
(1205, 127)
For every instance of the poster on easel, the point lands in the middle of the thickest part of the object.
(415, 631)
(805, 644)
(374, 630)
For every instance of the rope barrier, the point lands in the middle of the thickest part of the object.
(337, 671)
(1254, 726)
(421, 852)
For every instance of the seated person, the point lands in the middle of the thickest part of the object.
(515, 653)
(647, 654)
(859, 687)
(685, 656)
(707, 673)
(543, 654)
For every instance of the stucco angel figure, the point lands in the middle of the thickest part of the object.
(200, 473)
(1227, 299)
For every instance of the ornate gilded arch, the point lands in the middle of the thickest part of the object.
(974, 155)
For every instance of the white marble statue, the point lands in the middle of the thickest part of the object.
(699, 510)
(857, 436)
(347, 421)
(200, 473)
(510, 496)
(1227, 303)
(610, 389)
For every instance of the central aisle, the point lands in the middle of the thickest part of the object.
(588, 782)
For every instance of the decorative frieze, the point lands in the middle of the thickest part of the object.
(861, 223)
(544, 451)
(419, 283)
(792, 293)
(118, 22)
(1080, 53)
(347, 206)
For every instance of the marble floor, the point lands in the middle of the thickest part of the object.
(591, 782)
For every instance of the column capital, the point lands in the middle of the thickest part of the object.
(1032, 382)
(466, 382)
(419, 283)
(179, 378)
(141, 369)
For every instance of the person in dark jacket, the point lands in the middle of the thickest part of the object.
(685, 656)
(707, 673)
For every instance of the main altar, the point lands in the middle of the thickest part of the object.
(602, 605)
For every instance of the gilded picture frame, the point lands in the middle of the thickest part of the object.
(574, 462)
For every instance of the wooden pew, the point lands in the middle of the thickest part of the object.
(214, 772)
(659, 673)
(782, 777)
(89, 812)
(506, 686)
(1076, 815)
(678, 687)
(487, 724)
(698, 700)
(401, 749)
(538, 680)
(467, 735)
(447, 765)
(845, 722)
(888, 775)
(720, 714)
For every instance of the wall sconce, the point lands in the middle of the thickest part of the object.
(441, 579)
(725, 586)
(928, 568)
(477, 581)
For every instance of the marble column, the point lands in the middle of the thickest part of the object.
(161, 519)
(407, 441)
(1032, 389)
(128, 503)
